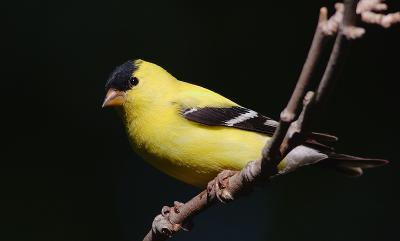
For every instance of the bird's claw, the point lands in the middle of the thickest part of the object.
(219, 185)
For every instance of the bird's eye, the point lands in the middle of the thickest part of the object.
(133, 81)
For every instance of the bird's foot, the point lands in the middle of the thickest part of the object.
(166, 211)
(219, 185)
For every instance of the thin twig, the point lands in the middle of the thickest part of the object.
(369, 10)
(347, 32)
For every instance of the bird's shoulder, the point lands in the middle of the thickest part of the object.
(194, 96)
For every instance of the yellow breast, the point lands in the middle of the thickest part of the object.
(189, 151)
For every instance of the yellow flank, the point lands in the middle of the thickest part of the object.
(191, 152)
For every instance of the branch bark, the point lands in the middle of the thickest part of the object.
(295, 120)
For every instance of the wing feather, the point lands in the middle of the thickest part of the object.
(246, 119)
(236, 116)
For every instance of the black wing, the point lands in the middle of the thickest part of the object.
(236, 116)
(246, 119)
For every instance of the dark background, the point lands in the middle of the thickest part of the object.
(67, 171)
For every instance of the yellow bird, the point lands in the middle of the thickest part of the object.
(192, 133)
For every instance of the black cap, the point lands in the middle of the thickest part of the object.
(119, 78)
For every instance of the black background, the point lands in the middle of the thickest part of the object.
(68, 172)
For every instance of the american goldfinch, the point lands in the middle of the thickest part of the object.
(192, 133)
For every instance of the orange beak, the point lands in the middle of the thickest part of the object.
(114, 98)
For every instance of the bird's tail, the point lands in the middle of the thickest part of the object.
(349, 165)
(326, 157)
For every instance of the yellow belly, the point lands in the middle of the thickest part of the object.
(191, 152)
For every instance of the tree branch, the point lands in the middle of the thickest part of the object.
(368, 10)
(294, 124)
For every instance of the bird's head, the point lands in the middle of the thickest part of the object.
(137, 83)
